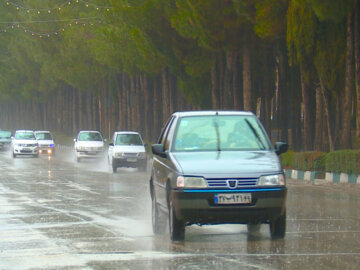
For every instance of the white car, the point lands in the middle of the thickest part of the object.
(89, 144)
(24, 143)
(46, 142)
(127, 149)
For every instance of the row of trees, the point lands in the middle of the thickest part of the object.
(128, 64)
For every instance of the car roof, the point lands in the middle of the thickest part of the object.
(209, 113)
(42, 131)
(24, 130)
(126, 132)
(94, 131)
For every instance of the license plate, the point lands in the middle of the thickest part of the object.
(233, 198)
(26, 149)
(131, 159)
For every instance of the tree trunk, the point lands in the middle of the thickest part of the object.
(215, 95)
(308, 132)
(357, 66)
(165, 94)
(346, 104)
(237, 100)
(283, 100)
(318, 120)
(327, 114)
(247, 72)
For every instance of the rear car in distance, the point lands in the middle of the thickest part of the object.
(5, 139)
(46, 142)
(127, 149)
(215, 168)
(89, 144)
(24, 143)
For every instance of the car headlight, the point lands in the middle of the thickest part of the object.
(142, 155)
(191, 182)
(118, 154)
(272, 180)
(79, 148)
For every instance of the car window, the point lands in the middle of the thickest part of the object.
(43, 136)
(90, 136)
(24, 136)
(164, 131)
(5, 134)
(212, 133)
(128, 139)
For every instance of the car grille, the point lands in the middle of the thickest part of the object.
(130, 154)
(240, 182)
(27, 145)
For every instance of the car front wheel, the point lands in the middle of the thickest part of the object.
(114, 167)
(158, 222)
(176, 227)
(278, 227)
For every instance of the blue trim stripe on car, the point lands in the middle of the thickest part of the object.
(231, 190)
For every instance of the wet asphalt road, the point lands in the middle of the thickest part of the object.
(57, 214)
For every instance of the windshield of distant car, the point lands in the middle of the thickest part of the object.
(43, 136)
(220, 133)
(25, 136)
(90, 136)
(5, 134)
(128, 139)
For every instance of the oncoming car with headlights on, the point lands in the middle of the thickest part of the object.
(46, 142)
(217, 167)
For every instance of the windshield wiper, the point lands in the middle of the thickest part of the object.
(256, 134)
(216, 125)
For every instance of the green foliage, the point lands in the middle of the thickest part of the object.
(304, 161)
(343, 161)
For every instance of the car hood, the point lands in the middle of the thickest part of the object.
(228, 163)
(90, 143)
(129, 148)
(25, 141)
(46, 142)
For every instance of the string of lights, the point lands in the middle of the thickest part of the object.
(21, 25)
(73, 22)
(58, 8)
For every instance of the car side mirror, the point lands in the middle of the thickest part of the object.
(158, 149)
(281, 147)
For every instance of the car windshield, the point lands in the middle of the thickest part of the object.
(5, 134)
(25, 136)
(90, 136)
(220, 133)
(43, 136)
(128, 139)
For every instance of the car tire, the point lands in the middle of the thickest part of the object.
(78, 159)
(253, 227)
(36, 155)
(14, 155)
(114, 168)
(278, 227)
(176, 227)
(158, 220)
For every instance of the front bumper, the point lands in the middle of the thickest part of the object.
(46, 150)
(90, 154)
(132, 162)
(4, 145)
(199, 207)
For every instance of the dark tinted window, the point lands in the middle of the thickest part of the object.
(43, 136)
(128, 139)
(90, 136)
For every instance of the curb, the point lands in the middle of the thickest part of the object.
(329, 177)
